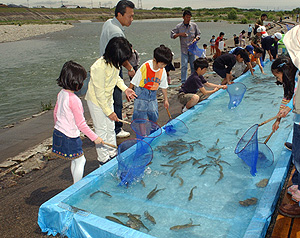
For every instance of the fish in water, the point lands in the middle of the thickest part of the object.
(248, 202)
(143, 183)
(262, 183)
(220, 172)
(181, 180)
(191, 193)
(237, 131)
(154, 192)
(99, 191)
(114, 220)
(261, 116)
(137, 221)
(126, 214)
(188, 225)
(149, 217)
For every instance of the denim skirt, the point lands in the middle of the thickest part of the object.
(66, 147)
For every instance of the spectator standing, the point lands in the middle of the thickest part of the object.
(188, 32)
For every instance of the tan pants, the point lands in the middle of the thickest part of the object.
(185, 97)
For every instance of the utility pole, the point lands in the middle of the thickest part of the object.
(140, 4)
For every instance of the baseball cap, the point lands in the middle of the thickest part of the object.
(250, 49)
(292, 44)
(277, 35)
(261, 29)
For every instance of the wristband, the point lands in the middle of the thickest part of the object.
(131, 69)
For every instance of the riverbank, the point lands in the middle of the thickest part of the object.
(10, 33)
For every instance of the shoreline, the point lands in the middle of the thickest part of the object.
(11, 33)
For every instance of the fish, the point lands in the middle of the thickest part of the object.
(202, 166)
(248, 202)
(237, 131)
(143, 183)
(126, 214)
(173, 171)
(183, 153)
(261, 116)
(204, 170)
(179, 227)
(196, 161)
(221, 173)
(191, 193)
(262, 183)
(167, 165)
(217, 141)
(114, 220)
(99, 191)
(154, 192)
(172, 161)
(185, 161)
(219, 123)
(181, 180)
(137, 221)
(149, 217)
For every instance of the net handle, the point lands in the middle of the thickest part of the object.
(126, 122)
(271, 119)
(111, 145)
(269, 137)
(169, 114)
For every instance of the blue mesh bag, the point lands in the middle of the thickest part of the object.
(247, 148)
(194, 49)
(176, 127)
(145, 128)
(236, 93)
(133, 157)
(265, 156)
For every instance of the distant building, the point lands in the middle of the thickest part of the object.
(2, 5)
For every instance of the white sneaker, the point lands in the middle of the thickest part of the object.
(123, 134)
(184, 109)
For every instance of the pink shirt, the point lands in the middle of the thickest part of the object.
(68, 116)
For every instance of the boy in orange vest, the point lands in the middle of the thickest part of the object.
(148, 78)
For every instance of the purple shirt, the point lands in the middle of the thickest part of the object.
(193, 83)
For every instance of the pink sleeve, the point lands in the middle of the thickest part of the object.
(77, 110)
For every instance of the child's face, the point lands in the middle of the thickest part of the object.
(278, 75)
(161, 65)
(239, 59)
(201, 71)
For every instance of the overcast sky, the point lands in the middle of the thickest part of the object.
(148, 4)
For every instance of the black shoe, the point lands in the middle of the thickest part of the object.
(288, 145)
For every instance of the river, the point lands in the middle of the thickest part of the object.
(30, 67)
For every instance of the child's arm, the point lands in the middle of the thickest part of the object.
(259, 65)
(165, 94)
(206, 92)
(212, 85)
(131, 86)
(77, 110)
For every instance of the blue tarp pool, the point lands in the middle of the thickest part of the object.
(218, 187)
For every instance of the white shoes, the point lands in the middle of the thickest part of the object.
(123, 134)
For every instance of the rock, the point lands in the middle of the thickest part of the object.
(34, 163)
(248, 202)
(262, 183)
(7, 164)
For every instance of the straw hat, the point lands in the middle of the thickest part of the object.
(292, 43)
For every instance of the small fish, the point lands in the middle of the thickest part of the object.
(181, 180)
(154, 192)
(99, 191)
(115, 220)
(137, 221)
(262, 183)
(143, 183)
(248, 202)
(167, 165)
(179, 227)
(204, 170)
(221, 173)
(183, 153)
(173, 171)
(237, 131)
(202, 166)
(217, 141)
(219, 123)
(126, 214)
(185, 161)
(149, 217)
(191, 193)
(172, 161)
(261, 116)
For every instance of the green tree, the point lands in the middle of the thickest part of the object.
(232, 15)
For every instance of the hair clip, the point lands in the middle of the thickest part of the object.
(280, 65)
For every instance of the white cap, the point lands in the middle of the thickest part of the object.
(261, 29)
(277, 35)
(292, 44)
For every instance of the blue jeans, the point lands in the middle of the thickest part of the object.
(296, 154)
(118, 105)
(185, 59)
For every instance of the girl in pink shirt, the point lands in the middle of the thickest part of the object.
(69, 119)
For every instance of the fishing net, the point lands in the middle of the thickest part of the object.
(247, 148)
(194, 49)
(145, 128)
(176, 127)
(133, 157)
(236, 93)
(265, 156)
